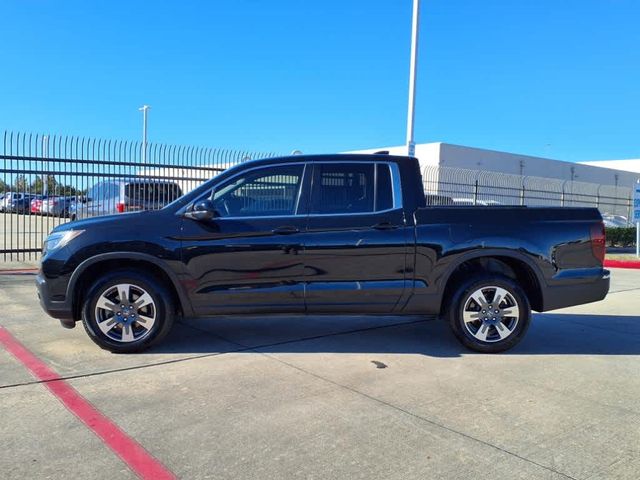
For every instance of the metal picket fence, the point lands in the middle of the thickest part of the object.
(458, 186)
(49, 179)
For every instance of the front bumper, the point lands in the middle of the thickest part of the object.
(586, 290)
(60, 309)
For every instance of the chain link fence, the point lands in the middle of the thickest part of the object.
(46, 180)
(458, 186)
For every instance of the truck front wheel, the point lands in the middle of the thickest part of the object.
(126, 311)
(489, 313)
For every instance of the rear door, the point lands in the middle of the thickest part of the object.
(356, 242)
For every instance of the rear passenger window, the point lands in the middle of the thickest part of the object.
(343, 188)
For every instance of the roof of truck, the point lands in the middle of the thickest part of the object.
(336, 157)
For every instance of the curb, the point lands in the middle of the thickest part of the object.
(622, 264)
(19, 271)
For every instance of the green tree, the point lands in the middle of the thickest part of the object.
(20, 184)
(67, 190)
(37, 186)
(3, 187)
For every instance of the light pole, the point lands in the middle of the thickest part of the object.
(144, 110)
(45, 154)
(636, 215)
(413, 71)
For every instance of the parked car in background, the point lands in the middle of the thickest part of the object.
(57, 206)
(35, 206)
(468, 202)
(119, 196)
(11, 201)
(615, 221)
(15, 202)
(432, 199)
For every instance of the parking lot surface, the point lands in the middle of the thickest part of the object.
(333, 397)
(25, 231)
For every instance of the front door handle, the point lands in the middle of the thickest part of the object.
(285, 230)
(385, 226)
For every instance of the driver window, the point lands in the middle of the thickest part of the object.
(270, 191)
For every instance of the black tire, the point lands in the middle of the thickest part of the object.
(493, 328)
(161, 307)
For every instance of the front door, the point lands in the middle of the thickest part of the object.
(356, 244)
(250, 257)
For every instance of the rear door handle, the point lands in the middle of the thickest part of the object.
(285, 230)
(385, 226)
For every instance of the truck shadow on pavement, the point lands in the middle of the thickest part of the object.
(549, 334)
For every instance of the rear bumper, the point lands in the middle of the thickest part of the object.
(60, 309)
(586, 290)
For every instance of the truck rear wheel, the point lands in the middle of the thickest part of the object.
(126, 311)
(489, 313)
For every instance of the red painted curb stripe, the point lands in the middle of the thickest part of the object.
(18, 270)
(131, 452)
(622, 264)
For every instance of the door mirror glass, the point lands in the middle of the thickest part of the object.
(202, 210)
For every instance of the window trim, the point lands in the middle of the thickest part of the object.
(396, 187)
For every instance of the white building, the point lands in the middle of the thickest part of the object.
(631, 165)
(611, 172)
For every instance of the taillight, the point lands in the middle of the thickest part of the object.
(598, 241)
(121, 207)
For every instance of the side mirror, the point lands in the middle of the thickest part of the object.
(203, 210)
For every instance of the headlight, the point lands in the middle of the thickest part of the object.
(59, 240)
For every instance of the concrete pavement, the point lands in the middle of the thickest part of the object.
(336, 397)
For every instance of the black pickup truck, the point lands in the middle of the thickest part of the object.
(327, 234)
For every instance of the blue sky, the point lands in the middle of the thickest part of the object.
(557, 78)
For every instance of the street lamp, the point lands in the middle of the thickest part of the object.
(413, 71)
(144, 110)
(45, 177)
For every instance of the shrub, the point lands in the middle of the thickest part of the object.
(621, 236)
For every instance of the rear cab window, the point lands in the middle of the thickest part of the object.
(351, 188)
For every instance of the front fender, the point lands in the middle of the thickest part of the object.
(72, 287)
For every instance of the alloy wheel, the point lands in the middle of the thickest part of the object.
(490, 314)
(125, 312)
